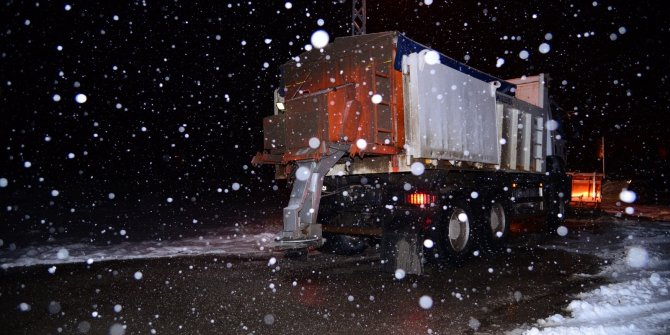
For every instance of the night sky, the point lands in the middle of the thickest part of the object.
(176, 91)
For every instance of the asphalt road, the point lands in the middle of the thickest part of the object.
(322, 293)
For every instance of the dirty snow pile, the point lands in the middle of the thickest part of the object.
(637, 301)
(220, 243)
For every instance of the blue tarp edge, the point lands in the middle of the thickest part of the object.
(406, 46)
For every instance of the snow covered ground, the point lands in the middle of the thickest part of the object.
(637, 300)
(637, 255)
(224, 241)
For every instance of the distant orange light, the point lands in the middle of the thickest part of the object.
(584, 193)
(420, 199)
(586, 189)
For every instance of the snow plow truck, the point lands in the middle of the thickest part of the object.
(380, 135)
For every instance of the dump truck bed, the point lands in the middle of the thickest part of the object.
(394, 101)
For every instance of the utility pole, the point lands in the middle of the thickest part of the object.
(602, 149)
(358, 17)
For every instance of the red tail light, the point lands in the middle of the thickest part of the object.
(427, 223)
(420, 199)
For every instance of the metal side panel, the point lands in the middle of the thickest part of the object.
(525, 147)
(449, 115)
(500, 116)
(538, 144)
(273, 131)
(511, 132)
(324, 115)
(526, 139)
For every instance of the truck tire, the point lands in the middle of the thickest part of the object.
(459, 233)
(497, 227)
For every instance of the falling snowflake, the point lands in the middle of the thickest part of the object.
(417, 168)
(426, 302)
(80, 98)
(544, 48)
(320, 39)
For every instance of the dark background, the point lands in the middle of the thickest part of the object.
(199, 65)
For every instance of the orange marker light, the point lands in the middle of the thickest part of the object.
(420, 199)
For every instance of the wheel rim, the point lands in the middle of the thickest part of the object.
(459, 229)
(497, 221)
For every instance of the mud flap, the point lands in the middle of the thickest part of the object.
(401, 250)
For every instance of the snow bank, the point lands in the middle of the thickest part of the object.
(60, 253)
(637, 302)
(632, 307)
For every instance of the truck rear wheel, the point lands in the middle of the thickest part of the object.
(498, 227)
(459, 233)
(458, 230)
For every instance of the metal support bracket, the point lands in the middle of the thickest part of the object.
(300, 227)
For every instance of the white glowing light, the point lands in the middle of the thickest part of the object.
(80, 98)
(637, 257)
(302, 173)
(361, 144)
(417, 168)
(432, 57)
(426, 302)
(62, 253)
(524, 54)
(320, 39)
(314, 142)
(627, 196)
(544, 48)
(376, 99)
(552, 125)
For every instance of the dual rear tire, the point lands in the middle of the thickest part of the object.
(466, 229)
(498, 227)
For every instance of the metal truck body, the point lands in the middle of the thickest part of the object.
(390, 137)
